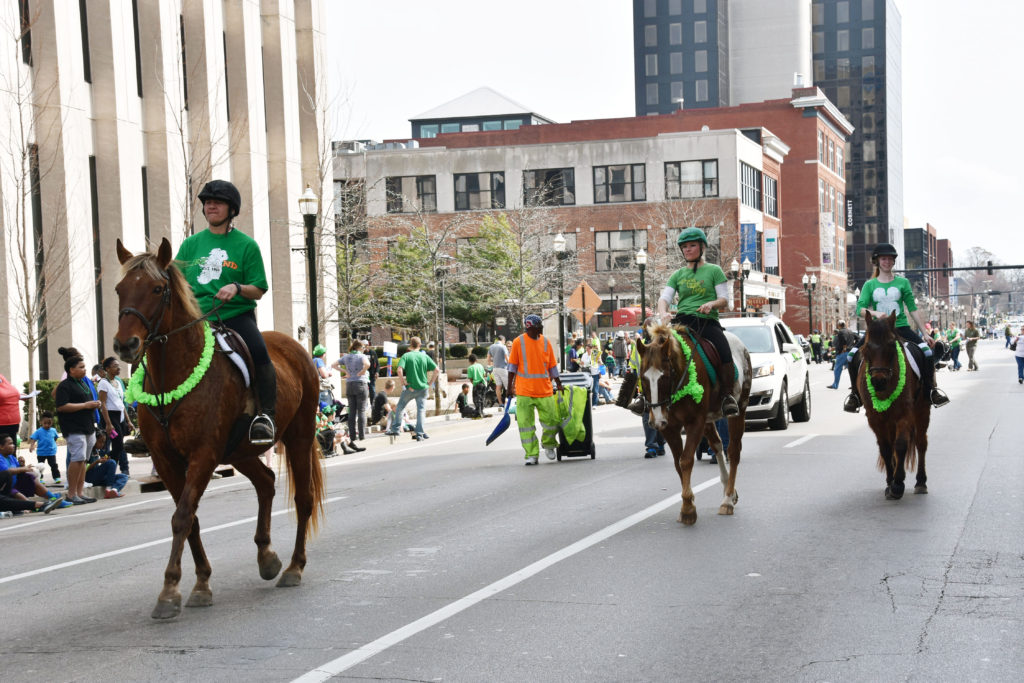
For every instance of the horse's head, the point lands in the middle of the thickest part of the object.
(660, 370)
(149, 285)
(879, 349)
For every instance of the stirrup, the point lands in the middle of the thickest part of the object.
(261, 430)
(638, 406)
(729, 406)
(852, 403)
(938, 397)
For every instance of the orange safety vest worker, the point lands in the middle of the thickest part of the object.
(533, 359)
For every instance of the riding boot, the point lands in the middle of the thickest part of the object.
(726, 383)
(627, 390)
(262, 429)
(937, 396)
(853, 403)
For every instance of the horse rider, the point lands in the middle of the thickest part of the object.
(225, 266)
(702, 289)
(532, 367)
(882, 295)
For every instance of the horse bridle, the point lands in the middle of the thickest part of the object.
(152, 324)
(668, 398)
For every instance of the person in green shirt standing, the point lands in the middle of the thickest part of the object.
(953, 337)
(419, 371)
(702, 290)
(477, 374)
(224, 266)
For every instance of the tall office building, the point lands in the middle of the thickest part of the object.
(698, 54)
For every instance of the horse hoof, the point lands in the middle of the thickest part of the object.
(921, 488)
(200, 599)
(892, 493)
(289, 580)
(270, 567)
(735, 497)
(725, 510)
(689, 519)
(167, 609)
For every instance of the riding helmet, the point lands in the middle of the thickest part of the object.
(692, 235)
(224, 191)
(883, 249)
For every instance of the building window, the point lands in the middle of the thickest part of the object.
(702, 90)
(616, 249)
(25, 17)
(843, 67)
(867, 10)
(821, 146)
(689, 179)
(620, 183)
(675, 63)
(840, 210)
(870, 205)
(549, 187)
(771, 196)
(700, 31)
(867, 94)
(652, 93)
(83, 21)
(821, 195)
(750, 188)
(700, 6)
(651, 35)
(411, 193)
(675, 34)
(867, 65)
(428, 130)
(138, 51)
(819, 70)
(842, 41)
(675, 6)
(870, 179)
(451, 127)
(511, 124)
(843, 96)
(700, 61)
(843, 12)
(840, 168)
(869, 150)
(818, 42)
(651, 65)
(479, 191)
(650, 8)
(831, 155)
(491, 125)
(677, 92)
(867, 38)
(817, 14)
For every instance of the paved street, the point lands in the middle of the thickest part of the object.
(450, 561)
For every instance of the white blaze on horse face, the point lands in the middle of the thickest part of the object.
(653, 375)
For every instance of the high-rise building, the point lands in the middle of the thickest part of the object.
(696, 54)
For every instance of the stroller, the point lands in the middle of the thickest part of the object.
(490, 393)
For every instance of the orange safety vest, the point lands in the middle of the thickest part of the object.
(533, 359)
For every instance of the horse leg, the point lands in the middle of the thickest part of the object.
(262, 478)
(885, 460)
(168, 604)
(302, 458)
(730, 496)
(921, 484)
(683, 454)
(898, 484)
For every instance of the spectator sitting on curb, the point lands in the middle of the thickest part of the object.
(23, 479)
(462, 403)
(381, 409)
(10, 503)
(101, 470)
(604, 386)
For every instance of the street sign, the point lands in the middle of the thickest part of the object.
(584, 302)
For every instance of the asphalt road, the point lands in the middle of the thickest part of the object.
(449, 561)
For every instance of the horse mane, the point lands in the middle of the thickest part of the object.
(180, 288)
(878, 330)
(663, 331)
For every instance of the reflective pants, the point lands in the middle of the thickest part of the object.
(547, 409)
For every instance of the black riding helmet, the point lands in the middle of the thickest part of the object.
(883, 249)
(225, 192)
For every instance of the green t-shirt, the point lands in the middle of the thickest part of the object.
(211, 261)
(416, 365)
(886, 297)
(696, 289)
(476, 373)
(953, 337)
(972, 334)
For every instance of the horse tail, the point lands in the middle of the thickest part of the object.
(317, 490)
(910, 462)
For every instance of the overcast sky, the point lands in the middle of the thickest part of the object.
(963, 149)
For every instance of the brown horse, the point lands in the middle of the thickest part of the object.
(189, 436)
(899, 411)
(670, 364)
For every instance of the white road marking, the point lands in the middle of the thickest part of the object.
(802, 439)
(345, 662)
(141, 546)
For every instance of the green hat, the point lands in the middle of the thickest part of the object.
(318, 350)
(692, 235)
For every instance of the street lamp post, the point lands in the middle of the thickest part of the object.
(308, 205)
(559, 246)
(810, 284)
(641, 263)
(742, 275)
(611, 298)
(441, 273)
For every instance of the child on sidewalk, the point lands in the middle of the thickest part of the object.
(46, 438)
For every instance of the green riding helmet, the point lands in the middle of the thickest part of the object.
(319, 350)
(692, 235)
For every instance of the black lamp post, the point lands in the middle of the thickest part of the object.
(441, 273)
(611, 299)
(810, 284)
(742, 274)
(308, 205)
(561, 255)
(641, 263)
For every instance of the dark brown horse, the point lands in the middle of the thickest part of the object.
(898, 408)
(188, 437)
(675, 381)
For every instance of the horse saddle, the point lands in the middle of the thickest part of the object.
(231, 344)
(709, 353)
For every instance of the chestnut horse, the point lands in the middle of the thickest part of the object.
(675, 381)
(898, 408)
(190, 435)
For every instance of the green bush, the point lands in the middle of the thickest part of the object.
(458, 351)
(480, 352)
(44, 400)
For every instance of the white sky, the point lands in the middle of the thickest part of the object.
(573, 59)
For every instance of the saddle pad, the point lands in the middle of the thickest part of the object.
(912, 358)
(235, 358)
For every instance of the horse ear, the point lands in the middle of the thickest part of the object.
(892, 320)
(122, 254)
(867, 316)
(163, 254)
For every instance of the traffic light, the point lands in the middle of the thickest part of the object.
(989, 270)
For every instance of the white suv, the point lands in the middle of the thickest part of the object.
(780, 385)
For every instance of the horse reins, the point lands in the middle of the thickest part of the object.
(679, 385)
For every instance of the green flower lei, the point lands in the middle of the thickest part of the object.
(693, 387)
(137, 393)
(882, 405)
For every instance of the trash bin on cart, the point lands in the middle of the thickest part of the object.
(585, 446)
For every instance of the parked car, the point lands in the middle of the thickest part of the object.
(804, 343)
(780, 386)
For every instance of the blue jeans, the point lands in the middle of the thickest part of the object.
(653, 440)
(955, 353)
(841, 361)
(407, 395)
(595, 393)
(1020, 367)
